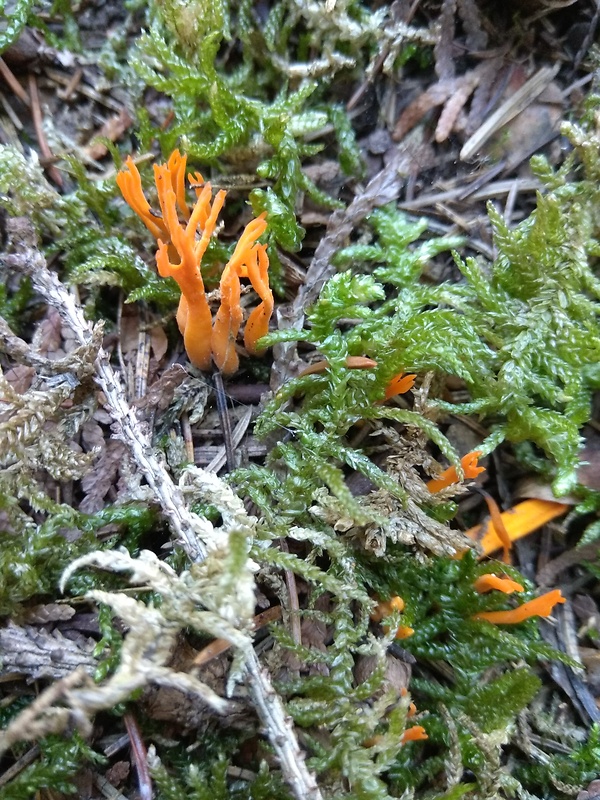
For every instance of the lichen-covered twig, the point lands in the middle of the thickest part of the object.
(194, 534)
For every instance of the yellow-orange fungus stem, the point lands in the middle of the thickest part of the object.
(519, 521)
(399, 384)
(415, 734)
(489, 582)
(412, 709)
(387, 607)
(404, 632)
(449, 476)
(352, 362)
(181, 247)
(499, 527)
(538, 607)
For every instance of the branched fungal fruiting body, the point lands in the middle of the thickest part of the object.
(450, 476)
(179, 256)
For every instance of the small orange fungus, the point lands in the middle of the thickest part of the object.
(415, 734)
(449, 476)
(499, 527)
(489, 582)
(519, 521)
(352, 362)
(387, 607)
(412, 709)
(181, 247)
(399, 384)
(538, 607)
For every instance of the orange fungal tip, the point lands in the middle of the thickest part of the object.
(387, 607)
(415, 734)
(404, 632)
(519, 521)
(450, 476)
(489, 582)
(499, 526)
(181, 248)
(399, 384)
(538, 607)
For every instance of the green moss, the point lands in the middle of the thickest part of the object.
(60, 760)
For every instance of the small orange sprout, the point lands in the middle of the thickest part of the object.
(404, 632)
(399, 384)
(415, 734)
(519, 521)
(412, 709)
(181, 248)
(489, 582)
(538, 607)
(449, 476)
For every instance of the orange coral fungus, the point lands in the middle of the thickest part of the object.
(449, 476)
(524, 518)
(181, 248)
(386, 607)
(538, 607)
(488, 582)
(352, 362)
(415, 734)
(399, 384)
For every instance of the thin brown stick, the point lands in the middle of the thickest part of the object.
(140, 756)
(13, 83)
(223, 411)
(36, 115)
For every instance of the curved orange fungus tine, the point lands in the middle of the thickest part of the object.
(252, 232)
(399, 384)
(404, 632)
(538, 607)
(229, 316)
(489, 582)
(257, 324)
(415, 734)
(522, 519)
(176, 166)
(449, 476)
(496, 517)
(129, 182)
